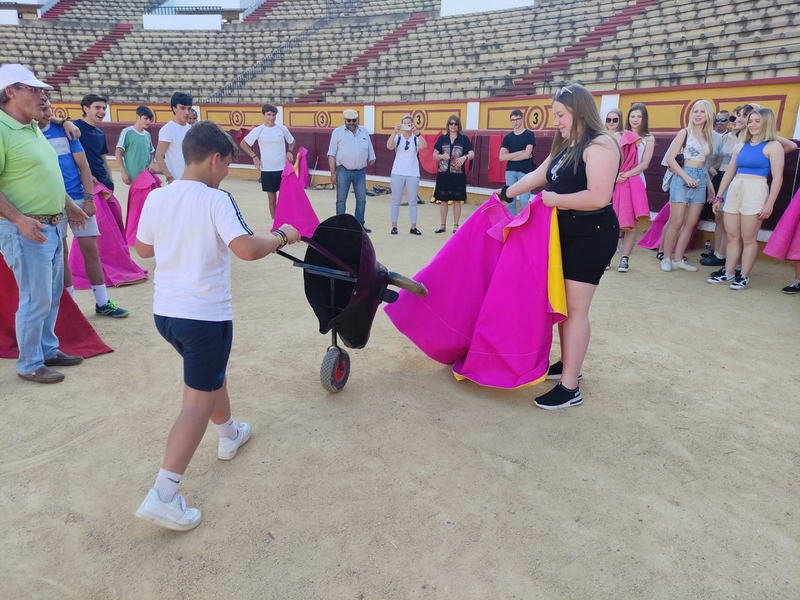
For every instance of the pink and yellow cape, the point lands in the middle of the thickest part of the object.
(495, 290)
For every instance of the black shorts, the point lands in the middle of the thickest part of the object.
(588, 243)
(205, 347)
(271, 181)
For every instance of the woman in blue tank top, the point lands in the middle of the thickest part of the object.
(750, 200)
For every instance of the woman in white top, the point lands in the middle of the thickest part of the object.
(690, 184)
(406, 141)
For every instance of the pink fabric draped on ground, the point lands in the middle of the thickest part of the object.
(784, 243)
(488, 310)
(301, 168)
(630, 197)
(652, 239)
(293, 205)
(145, 183)
(118, 267)
(75, 334)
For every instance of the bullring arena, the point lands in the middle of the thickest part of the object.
(677, 477)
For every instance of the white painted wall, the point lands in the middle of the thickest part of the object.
(468, 7)
(608, 102)
(369, 117)
(9, 17)
(182, 22)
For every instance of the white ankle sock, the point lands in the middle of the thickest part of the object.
(100, 294)
(228, 429)
(71, 291)
(167, 484)
(718, 255)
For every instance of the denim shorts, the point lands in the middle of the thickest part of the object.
(205, 347)
(678, 190)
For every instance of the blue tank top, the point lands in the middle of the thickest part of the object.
(751, 160)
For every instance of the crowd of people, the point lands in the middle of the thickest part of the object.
(593, 175)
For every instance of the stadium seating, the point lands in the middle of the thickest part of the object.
(110, 11)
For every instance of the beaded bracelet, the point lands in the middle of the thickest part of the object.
(503, 196)
(283, 239)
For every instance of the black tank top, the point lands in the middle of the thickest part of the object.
(563, 177)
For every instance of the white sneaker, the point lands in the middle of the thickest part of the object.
(666, 264)
(683, 265)
(228, 447)
(171, 515)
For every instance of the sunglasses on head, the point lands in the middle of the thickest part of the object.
(612, 119)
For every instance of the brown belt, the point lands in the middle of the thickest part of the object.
(47, 219)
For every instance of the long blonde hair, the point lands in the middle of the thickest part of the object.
(769, 131)
(708, 127)
(586, 123)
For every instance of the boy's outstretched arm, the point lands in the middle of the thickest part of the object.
(253, 247)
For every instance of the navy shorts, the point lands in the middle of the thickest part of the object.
(205, 347)
(271, 181)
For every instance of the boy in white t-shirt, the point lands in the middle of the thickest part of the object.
(189, 226)
(276, 146)
(169, 156)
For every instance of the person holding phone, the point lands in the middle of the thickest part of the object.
(406, 141)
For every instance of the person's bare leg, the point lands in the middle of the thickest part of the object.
(443, 208)
(733, 232)
(456, 213)
(750, 225)
(189, 428)
(628, 242)
(685, 236)
(575, 331)
(91, 260)
(720, 240)
(222, 408)
(677, 214)
(273, 203)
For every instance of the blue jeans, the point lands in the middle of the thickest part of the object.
(358, 179)
(39, 271)
(513, 177)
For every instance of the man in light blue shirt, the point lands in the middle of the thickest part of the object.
(349, 154)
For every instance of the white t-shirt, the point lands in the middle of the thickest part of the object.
(405, 161)
(271, 144)
(174, 134)
(190, 225)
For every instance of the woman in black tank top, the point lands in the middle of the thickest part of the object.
(581, 171)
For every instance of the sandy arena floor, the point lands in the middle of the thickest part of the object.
(676, 479)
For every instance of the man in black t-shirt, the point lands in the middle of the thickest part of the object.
(517, 151)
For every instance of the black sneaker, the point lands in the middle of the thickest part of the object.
(659, 256)
(720, 276)
(623, 265)
(707, 254)
(393, 231)
(741, 282)
(712, 261)
(792, 288)
(555, 370)
(559, 397)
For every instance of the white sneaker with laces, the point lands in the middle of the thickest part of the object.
(228, 447)
(170, 515)
(682, 264)
(666, 264)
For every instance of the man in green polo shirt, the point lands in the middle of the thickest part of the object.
(32, 199)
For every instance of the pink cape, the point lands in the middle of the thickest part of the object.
(630, 197)
(784, 243)
(118, 267)
(293, 205)
(301, 167)
(494, 262)
(75, 335)
(652, 239)
(145, 183)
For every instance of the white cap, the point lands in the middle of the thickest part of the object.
(14, 73)
(350, 114)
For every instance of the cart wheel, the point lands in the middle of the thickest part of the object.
(335, 369)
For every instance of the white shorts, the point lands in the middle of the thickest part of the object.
(746, 195)
(91, 229)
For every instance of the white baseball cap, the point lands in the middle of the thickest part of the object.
(15, 73)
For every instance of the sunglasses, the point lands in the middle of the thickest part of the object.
(33, 90)
(612, 120)
(453, 124)
(723, 120)
(732, 119)
(351, 120)
(407, 144)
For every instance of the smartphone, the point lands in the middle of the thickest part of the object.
(405, 127)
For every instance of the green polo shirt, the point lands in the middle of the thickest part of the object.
(29, 173)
